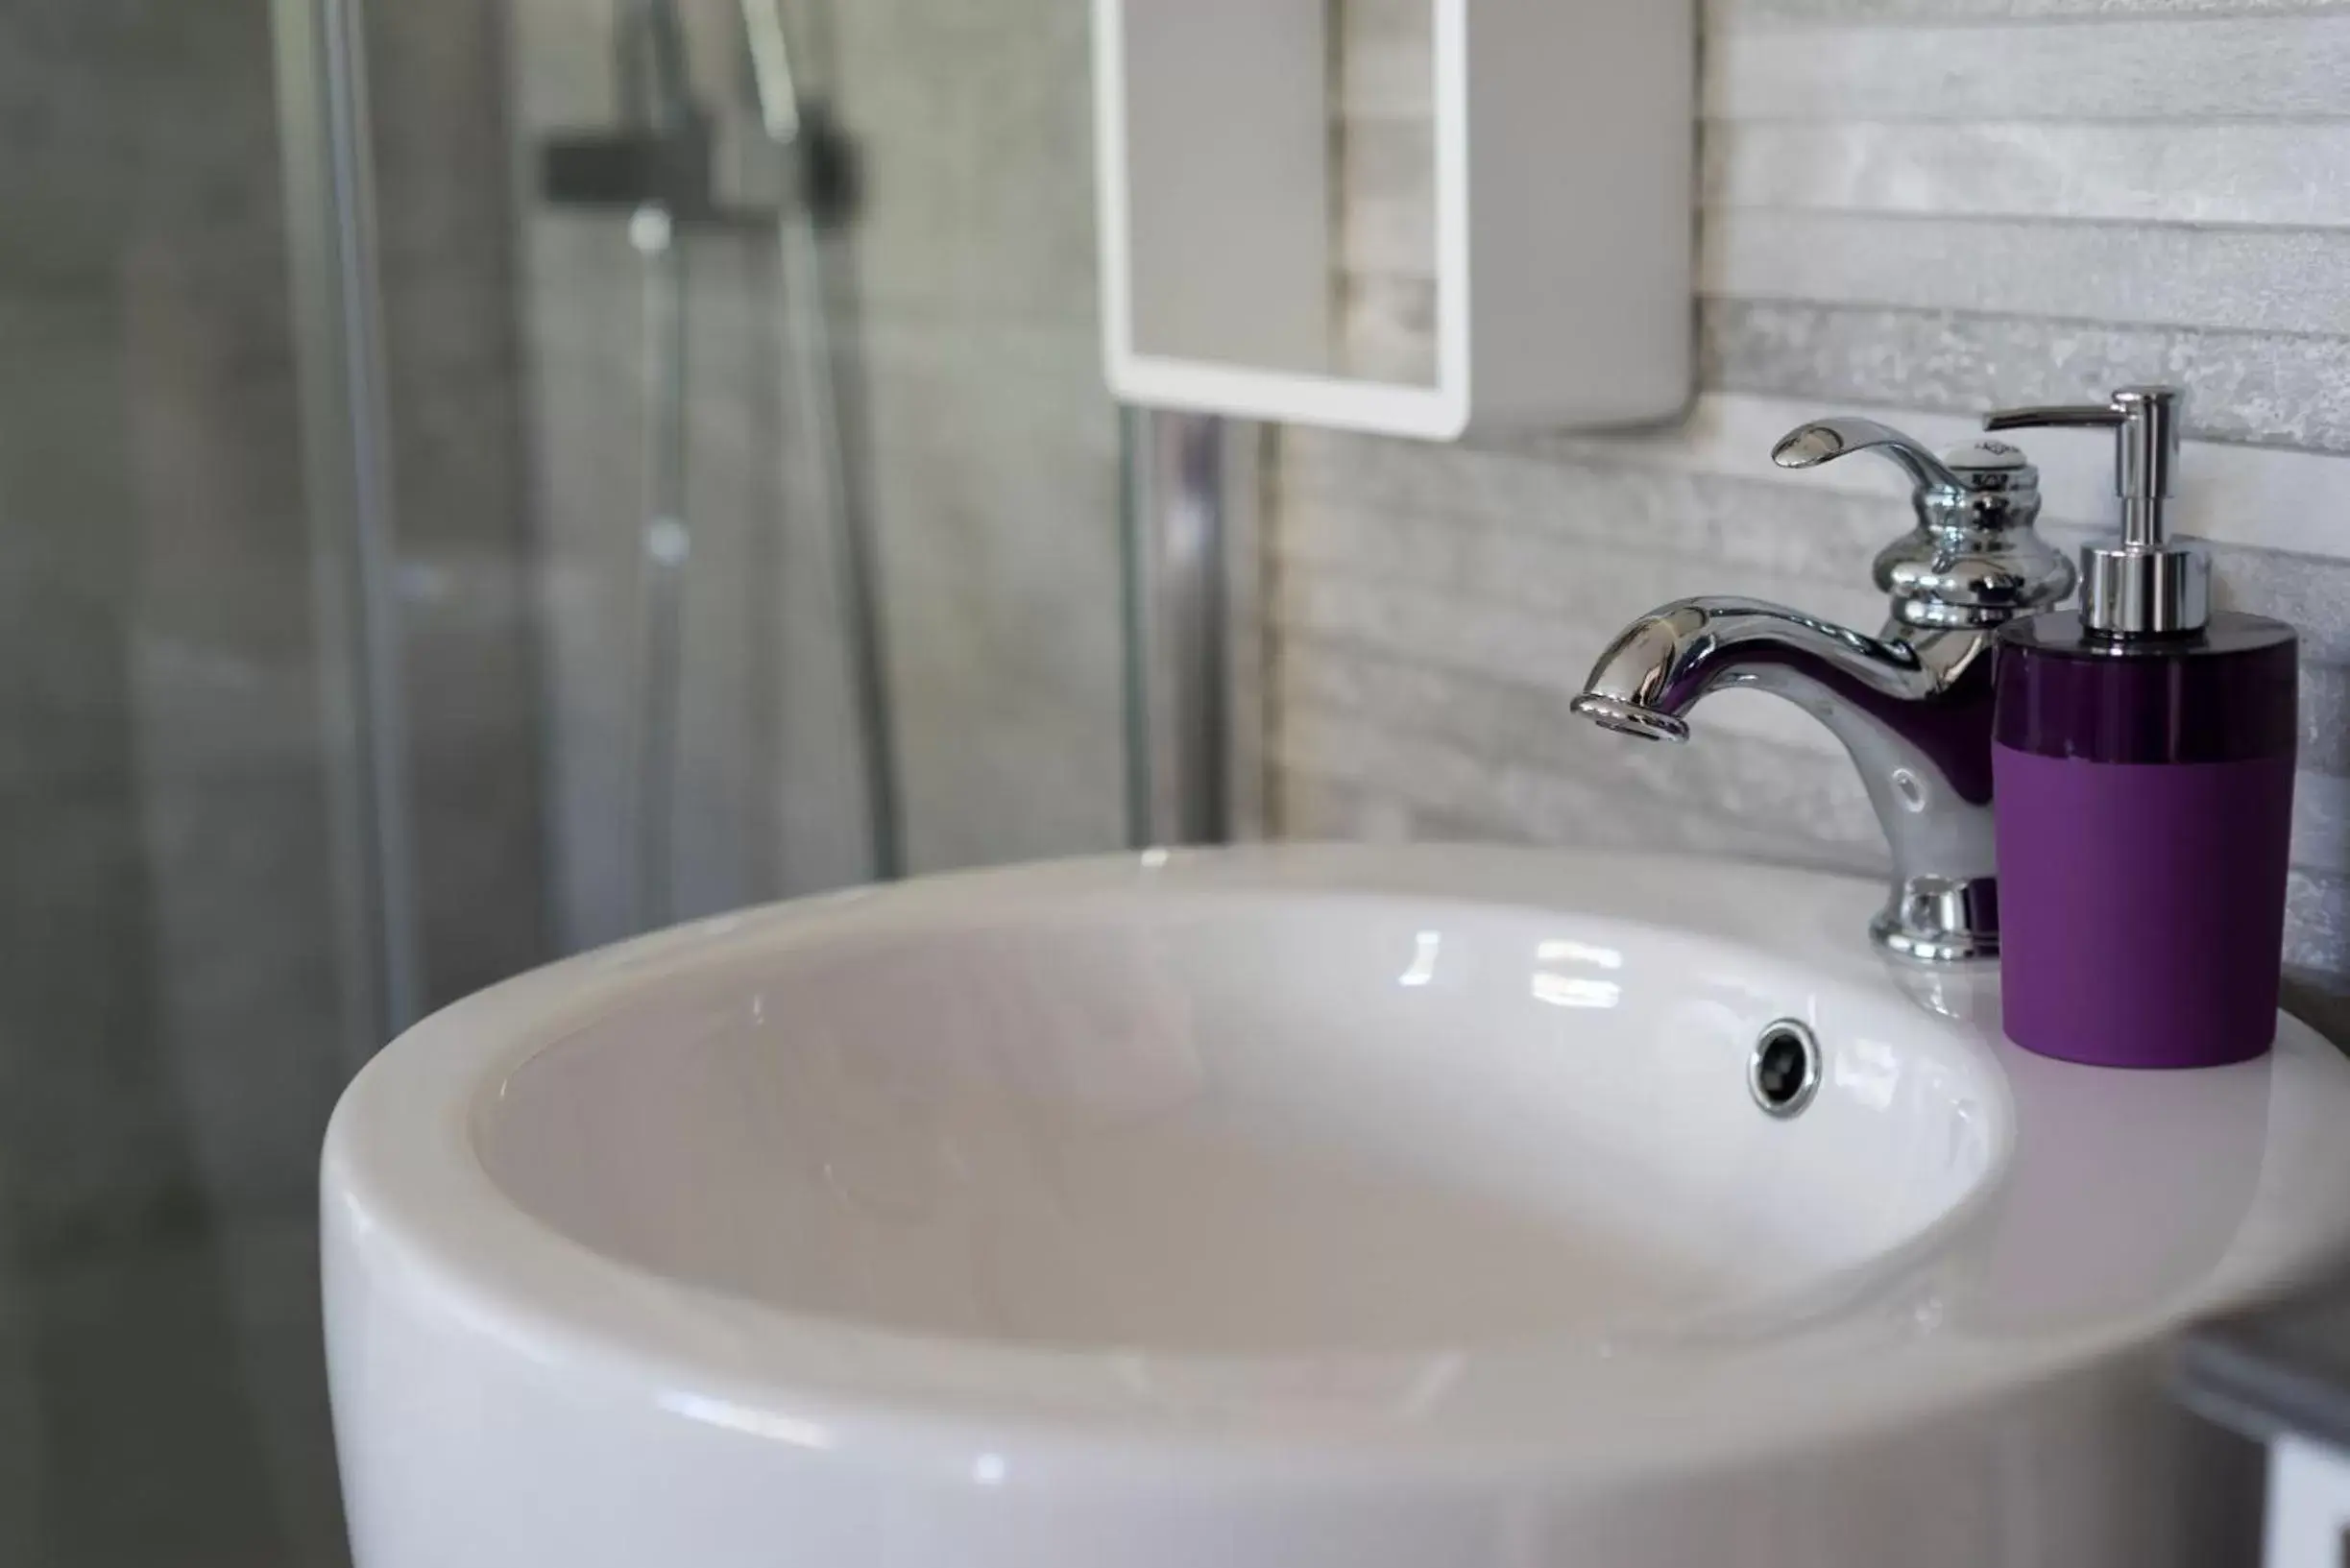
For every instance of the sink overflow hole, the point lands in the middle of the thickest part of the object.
(1783, 1071)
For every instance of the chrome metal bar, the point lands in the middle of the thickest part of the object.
(665, 547)
(1248, 459)
(348, 484)
(827, 408)
(812, 295)
(1181, 500)
(649, 46)
(772, 78)
(658, 94)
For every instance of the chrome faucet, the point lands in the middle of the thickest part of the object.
(1912, 704)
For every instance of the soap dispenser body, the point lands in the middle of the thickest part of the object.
(2144, 796)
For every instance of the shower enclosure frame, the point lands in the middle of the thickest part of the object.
(327, 174)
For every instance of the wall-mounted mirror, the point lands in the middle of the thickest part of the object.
(1397, 214)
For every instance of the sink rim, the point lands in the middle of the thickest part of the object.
(421, 1215)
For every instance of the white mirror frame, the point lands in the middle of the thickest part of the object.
(1565, 143)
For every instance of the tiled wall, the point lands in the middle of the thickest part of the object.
(1918, 209)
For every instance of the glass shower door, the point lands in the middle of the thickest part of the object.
(333, 457)
(172, 999)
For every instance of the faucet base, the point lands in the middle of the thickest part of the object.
(1940, 920)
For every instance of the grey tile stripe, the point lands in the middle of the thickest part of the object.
(2263, 388)
(1720, 12)
(2182, 68)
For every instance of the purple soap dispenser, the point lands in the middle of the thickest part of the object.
(2143, 773)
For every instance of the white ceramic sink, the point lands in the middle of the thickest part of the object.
(1306, 1206)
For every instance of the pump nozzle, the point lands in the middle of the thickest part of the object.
(2146, 585)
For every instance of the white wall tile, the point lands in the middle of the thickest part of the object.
(2152, 172)
(2174, 68)
(2285, 280)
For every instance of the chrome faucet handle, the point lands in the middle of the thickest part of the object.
(1824, 440)
(1974, 560)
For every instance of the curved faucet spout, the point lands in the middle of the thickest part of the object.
(1912, 707)
(1659, 667)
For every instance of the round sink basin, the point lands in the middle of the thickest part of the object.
(1292, 1206)
(1208, 1121)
